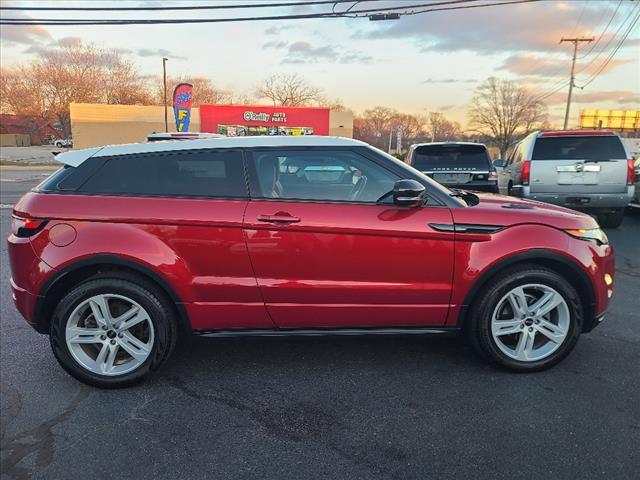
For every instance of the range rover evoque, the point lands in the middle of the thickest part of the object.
(125, 246)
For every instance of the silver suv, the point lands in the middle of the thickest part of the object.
(586, 170)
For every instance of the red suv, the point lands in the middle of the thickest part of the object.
(116, 252)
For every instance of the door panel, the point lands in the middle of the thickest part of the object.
(348, 265)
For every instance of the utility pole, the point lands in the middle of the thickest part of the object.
(164, 82)
(575, 42)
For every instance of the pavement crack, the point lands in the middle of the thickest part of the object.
(38, 441)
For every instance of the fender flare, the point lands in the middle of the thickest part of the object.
(110, 260)
(538, 254)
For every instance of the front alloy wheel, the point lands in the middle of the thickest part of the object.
(527, 318)
(530, 322)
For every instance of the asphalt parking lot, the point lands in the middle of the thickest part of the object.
(338, 408)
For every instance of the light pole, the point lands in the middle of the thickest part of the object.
(164, 82)
(572, 78)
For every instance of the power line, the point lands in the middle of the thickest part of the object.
(354, 13)
(604, 30)
(613, 53)
(183, 7)
(601, 51)
(41, 21)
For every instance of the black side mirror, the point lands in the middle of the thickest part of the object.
(498, 163)
(408, 192)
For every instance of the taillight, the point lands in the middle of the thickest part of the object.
(26, 227)
(630, 172)
(526, 172)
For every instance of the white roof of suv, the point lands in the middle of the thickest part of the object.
(76, 157)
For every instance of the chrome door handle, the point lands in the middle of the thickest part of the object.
(278, 218)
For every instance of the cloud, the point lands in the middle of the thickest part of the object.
(621, 97)
(158, 52)
(534, 27)
(277, 30)
(303, 52)
(23, 34)
(449, 80)
(553, 66)
(274, 44)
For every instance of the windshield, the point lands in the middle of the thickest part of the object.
(451, 157)
(579, 148)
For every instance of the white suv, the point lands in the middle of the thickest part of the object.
(588, 170)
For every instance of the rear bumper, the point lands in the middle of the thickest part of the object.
(25, 303)
(491, 187)
(582, 200)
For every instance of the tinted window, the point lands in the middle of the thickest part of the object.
(321, 175)
(439, 157)
(182, 173)
(52, 182)
(578, 148)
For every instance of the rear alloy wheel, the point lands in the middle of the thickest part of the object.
(113, 332)
(107, 343)
(528, 319)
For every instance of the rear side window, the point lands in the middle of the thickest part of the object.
(51, 184)
(579, 148)
(202, 173)
(445, 157)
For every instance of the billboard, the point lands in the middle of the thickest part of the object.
(618, 120)
(182, 96)
(244, 120)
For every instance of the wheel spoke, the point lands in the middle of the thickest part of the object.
(546, 304)
(134, 346)
(518, 302)
(552, 331)
(100, 309)
(130, 318)
(524, 348)
(507, 327)
(84, 335)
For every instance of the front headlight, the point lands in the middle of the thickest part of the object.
(594, 234)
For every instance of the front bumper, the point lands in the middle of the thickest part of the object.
(593, 323)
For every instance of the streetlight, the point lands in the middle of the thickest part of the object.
(164, 81)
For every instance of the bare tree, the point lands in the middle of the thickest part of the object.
(374, 127)
(440, 129)
(505, 111)
(204, 91)
(288, 90)
(75, 72)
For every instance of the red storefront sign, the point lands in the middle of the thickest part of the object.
(236, 120)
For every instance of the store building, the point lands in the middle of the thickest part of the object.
(94, 125)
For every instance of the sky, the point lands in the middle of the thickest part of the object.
(419, 63)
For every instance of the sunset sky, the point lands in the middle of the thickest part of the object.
(427, 62)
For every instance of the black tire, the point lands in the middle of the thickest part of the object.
(611, 220)
(478, 327)
(147, 295)
(59, 144)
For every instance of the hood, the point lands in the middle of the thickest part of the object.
(507, 211)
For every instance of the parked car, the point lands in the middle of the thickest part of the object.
(62, 142)
(587, 170)
(126, 245)
(635, 203)
(167, 136)
(455, 164)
